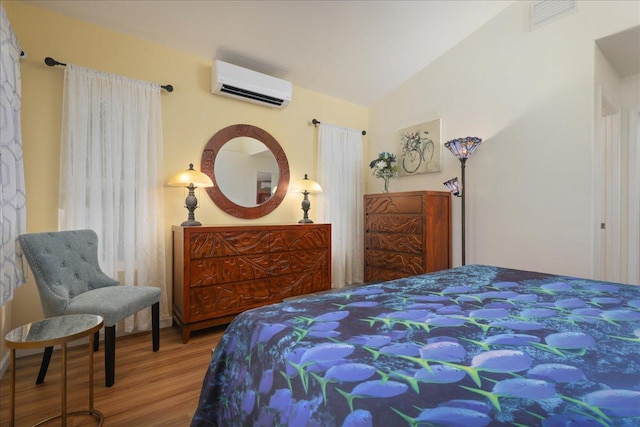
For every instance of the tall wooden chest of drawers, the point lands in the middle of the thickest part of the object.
(406, 233)
(219, 272)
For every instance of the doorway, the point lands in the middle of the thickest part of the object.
(616, 158)
(610, 212)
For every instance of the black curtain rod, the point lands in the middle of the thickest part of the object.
(52, 63)
(316, 122)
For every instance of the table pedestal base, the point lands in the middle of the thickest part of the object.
(91, 412)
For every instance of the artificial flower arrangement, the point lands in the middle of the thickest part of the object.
(384, 167)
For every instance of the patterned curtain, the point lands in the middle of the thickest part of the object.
(13, 217)
(340, 173)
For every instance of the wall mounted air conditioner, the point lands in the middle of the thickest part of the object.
(248, 85)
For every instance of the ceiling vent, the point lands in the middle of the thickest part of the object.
(543, 12)
(248, 85)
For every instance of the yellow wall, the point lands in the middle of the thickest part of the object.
(191, 115)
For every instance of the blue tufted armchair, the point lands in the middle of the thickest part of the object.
(70, 281)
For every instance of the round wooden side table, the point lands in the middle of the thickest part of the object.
(49, 332)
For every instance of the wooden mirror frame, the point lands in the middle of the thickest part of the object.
(208, 160)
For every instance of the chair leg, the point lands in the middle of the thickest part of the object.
(155, 325)
(96, 341)
(109, 355)
(46, 358)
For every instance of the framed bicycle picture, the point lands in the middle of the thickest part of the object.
(420, 149)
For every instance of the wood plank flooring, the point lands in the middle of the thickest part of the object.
(151, 389)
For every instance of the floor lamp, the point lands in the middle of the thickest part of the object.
(462, 148)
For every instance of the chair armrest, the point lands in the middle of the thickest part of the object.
(53, 304)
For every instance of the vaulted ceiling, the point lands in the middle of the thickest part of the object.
(353, 50)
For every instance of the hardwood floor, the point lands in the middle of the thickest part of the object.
(151, 389)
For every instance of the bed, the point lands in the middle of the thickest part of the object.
(471, 346)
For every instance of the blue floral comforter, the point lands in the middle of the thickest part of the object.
(471, 346)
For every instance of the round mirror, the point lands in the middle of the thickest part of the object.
(249, 170)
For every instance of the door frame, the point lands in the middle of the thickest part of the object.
(607, 193)
(633, 254)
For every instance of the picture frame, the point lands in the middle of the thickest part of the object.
(420, 149)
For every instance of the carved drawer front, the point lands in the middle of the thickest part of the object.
(210, 271)
(379, 275)
(226, 243)
(228, 298)
(298, 239)
(296, 262)
(299, 284)
(394, 204)
(394, 261)
(395, 223)
(411, 243)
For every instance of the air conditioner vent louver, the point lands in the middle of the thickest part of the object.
(232, 90)
(248, 85)
(543, 12)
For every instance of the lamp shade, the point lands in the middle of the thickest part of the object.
(462, 148)
(190, 176)
(308, 185)
(453, 186)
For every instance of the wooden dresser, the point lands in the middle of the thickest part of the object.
(219, 272)
(406, 233)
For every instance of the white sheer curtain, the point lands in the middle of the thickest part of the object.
(13, 217)
(111, 176)
(340, 173)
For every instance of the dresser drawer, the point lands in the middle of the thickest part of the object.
(210, 271)
(228, 298)
(299, 261)
(226, 243)
(374, 274)
(299, 284)
(403, 223)
(409, 243)
(298, 239)
(395, 204)
(394, 261)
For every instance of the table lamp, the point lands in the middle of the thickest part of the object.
(306, 186)
(191, 179)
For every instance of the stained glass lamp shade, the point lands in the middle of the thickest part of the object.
(462, 148)
(452, 185)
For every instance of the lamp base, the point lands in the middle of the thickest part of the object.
(190, 223)
(306, 204)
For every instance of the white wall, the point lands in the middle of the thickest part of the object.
(530, 96)
(630, 91)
